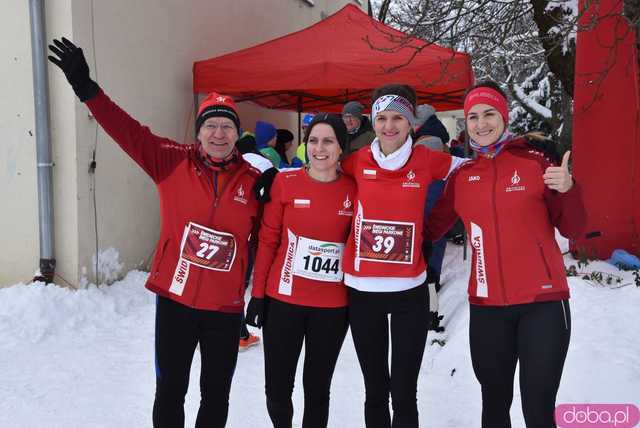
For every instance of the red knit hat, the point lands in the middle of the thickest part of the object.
(217, 105)
(489, 96)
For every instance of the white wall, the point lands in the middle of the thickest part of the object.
(19, 249)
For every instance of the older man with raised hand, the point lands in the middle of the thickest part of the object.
(207, 214)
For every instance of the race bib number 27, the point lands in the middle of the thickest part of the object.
(203, 247)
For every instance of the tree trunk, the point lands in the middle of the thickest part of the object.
(562, 64)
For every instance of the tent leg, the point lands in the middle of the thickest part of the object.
(195, 113)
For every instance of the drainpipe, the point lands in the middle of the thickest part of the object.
(43, 140)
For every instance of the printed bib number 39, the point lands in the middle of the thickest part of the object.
(386, 241)
(318, 260)
(209, 248)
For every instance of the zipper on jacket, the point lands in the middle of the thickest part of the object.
(213, 212)
(544, 260)
(497, 223)
(215, 188)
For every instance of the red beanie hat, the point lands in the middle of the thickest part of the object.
(217, 105)
(489, 96)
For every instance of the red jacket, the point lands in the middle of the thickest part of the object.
(206, 216)
(510, 215)
(302, 232)
(386, 236)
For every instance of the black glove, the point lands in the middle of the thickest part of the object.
(435, 322)
(262, 188)
(427, 250)
(71, 61)
(255, 312)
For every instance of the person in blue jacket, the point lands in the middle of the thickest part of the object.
(266, 141)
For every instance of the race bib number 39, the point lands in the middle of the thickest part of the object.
(386, 241)
(318, 260)
(208, 248)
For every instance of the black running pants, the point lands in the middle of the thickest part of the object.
(537, 336)
(368, 316)
(285, 328)
(178, 330)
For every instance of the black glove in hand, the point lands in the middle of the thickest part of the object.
(71, 61)
(435, 322)
(255, 312)
(262, 188)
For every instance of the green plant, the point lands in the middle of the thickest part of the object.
(583, 257)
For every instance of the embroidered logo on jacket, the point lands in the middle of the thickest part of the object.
(411, 176)
(346, 204)
(474, 178)
(515, 180)
(239, 197)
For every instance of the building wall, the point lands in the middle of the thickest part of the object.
(19, 253)
(19, 209)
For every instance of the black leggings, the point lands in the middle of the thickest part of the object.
(178, 330)
(368, 316)
(535, 334)
(285, 327)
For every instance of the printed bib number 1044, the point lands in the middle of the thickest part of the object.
(318, 260)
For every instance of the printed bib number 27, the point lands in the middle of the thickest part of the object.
(203, 247)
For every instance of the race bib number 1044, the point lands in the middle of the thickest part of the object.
(318, 260)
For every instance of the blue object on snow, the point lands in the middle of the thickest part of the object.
(623, 259)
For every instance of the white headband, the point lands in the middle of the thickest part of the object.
(395, 103)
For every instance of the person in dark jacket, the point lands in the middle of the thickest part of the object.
(431, 132)
(428, 125)
(360, 131)
(284, 140)
(207, 214)
(510, 198)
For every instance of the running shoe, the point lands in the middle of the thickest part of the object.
(248, 342)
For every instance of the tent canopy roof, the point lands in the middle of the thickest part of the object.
(339, 59)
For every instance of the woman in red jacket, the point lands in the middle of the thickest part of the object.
(298, 293)
(510, 198)
(383, 263)
(207, 214)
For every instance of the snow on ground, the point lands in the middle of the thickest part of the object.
(85, 358)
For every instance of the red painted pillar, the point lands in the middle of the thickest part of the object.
(606, 131)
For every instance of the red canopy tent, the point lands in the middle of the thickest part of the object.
(331, 62)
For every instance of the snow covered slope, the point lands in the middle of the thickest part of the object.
(85, 358)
